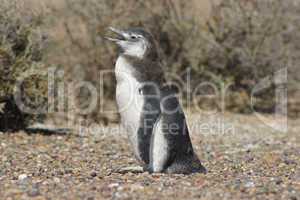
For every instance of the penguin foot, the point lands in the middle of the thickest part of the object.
(131, 169)
(148, 169)
(186, 168)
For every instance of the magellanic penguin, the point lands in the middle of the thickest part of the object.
(149, 108)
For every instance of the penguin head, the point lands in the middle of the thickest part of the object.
(135, 42)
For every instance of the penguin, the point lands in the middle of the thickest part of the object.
(148, 106)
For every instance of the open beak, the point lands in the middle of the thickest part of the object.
(121, 35)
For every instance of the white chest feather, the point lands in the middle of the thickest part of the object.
(130, 102)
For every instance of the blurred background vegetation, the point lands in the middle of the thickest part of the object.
(227, 42)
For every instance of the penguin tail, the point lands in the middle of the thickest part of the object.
(197, 166)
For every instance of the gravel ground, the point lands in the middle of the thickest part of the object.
(248, 161)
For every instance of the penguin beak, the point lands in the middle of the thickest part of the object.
(121, 35)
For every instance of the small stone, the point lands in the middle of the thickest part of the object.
(278, 181)
(293, 198)
(45, 183)
(34, 192)
(289, 162)
(22, 177)
(56, 180)
(4, 159)
(93, 174)
(136, 187)
(113, 185)
(68, 171)
(249, 184)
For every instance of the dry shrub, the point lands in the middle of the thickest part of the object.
(21, 50)
(241, 43)
(245, 42)
(82, 50)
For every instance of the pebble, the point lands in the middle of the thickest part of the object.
(4, 159)
(93, 174)
(278, 181)
(113, 185)
(34, 192)
(136, 187)
(289, 162)
(68, 171)
(249, 184)
(56, 180)
(45, 183)
(293, 198)
(22, 177)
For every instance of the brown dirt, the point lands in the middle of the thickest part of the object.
(251, 162)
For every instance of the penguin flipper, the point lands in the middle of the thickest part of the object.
(172, 150)
(151, 113)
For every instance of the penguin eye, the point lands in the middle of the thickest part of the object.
(133, 37)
